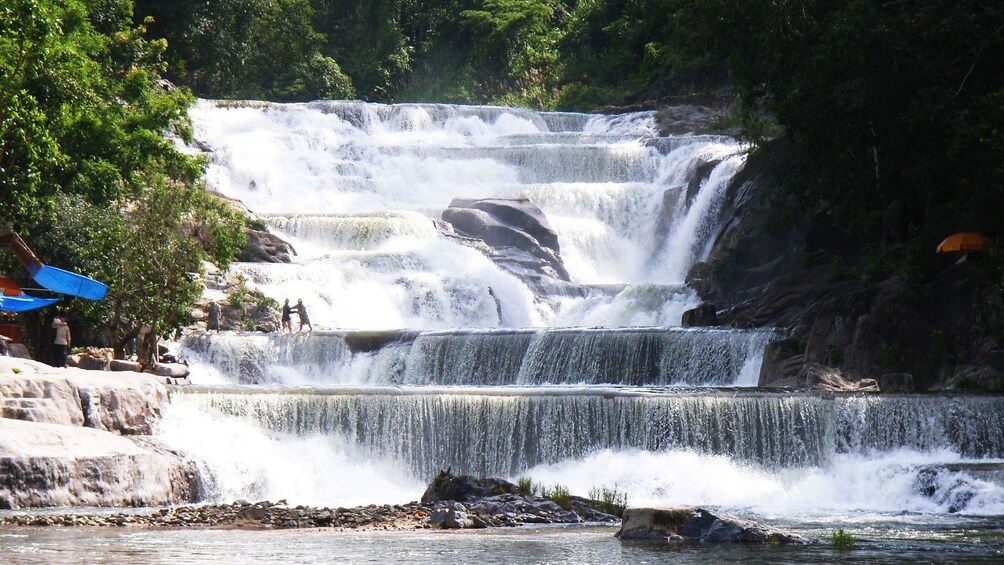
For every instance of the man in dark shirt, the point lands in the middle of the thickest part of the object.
(301, 311)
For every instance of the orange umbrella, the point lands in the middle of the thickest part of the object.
(964, 242)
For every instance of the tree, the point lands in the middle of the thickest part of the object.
(84, 145)
(246, 48)
(514, 48)
(156, 280)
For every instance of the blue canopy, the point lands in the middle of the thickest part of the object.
(23, 303)
(65, 282)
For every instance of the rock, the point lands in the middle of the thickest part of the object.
(698, 524)
(517, 232)
(701, 278)
(896, 382)
(453, 516)
(174, 370)
(93, 364)
(703, 315)
(58, 465)
(783, 360)
(265, 247)
(18, 350)
(956, 485)
(124, 365)
(101, 400)
(976, 378)
(447, 487)
(830, 379)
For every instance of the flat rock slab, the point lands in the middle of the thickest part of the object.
(698, 524)
(59, 465)
(125, 402)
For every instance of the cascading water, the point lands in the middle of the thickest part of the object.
(430, 355)
(356, 188)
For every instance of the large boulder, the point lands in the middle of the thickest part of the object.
(698, 524)
(454, 516)
(703, 315)
(517, 232)
(265, 247)
(464, 488)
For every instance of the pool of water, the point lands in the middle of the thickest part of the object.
(963, 540)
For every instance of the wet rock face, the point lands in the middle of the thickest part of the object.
(264, 247)
(463, 501)
(698, 524)
(519, 235)
(774, 264)
(702, 316)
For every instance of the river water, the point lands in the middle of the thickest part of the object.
(428, 355)
(979, 541)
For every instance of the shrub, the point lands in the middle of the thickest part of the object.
(609, 500)
(559, 495)
(526, 486)
(842, 539)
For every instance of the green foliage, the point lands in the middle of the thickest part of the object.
(238, 297)
(557, 494)
(81, 111)
(883, 102)
(318, 78)
(242, 48)
(526, 486)
(87, 175)
(250, 304)
(154, 283)
(609, 500)
(842, 540)
(513, 52)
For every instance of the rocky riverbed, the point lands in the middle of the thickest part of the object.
(495, 511)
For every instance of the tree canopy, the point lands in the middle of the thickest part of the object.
(87, 166)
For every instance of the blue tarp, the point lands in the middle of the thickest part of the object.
(65, 282)
(24, 303)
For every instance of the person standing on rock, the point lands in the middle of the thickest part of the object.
(301, 311)
(286, 317)
(213, 322)
(62, 340)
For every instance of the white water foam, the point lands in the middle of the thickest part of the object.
(349, 184)
(242, 462)
(852, 484)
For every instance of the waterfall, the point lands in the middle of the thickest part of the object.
(507, 431)
(355, 187)
(503, 432)
(619, 356)
(427, 354)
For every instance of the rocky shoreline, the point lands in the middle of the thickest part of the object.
(244, 515)
(507, 510)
